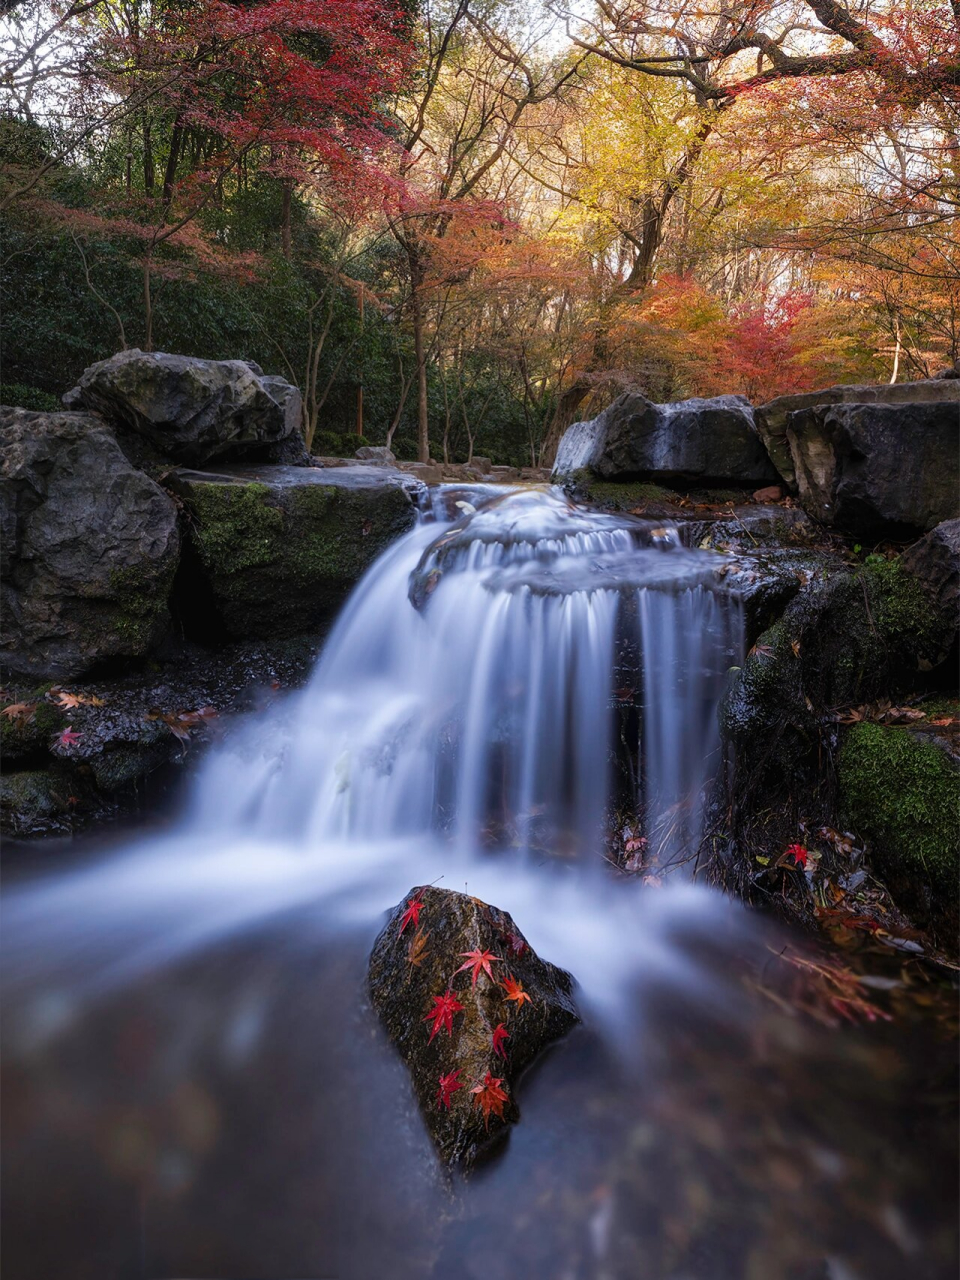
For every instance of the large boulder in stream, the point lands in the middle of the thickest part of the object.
(772, 418)
(90, 547)
(274, 551)
(193, 410)
(701, 442)
(878, 470)
(469, 1005)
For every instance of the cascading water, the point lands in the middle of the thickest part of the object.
(472, 684)
(198, 1087)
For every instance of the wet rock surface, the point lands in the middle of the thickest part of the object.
(878, 471)
(693, 441)
(132, 739)
(772, 417)
(277, 549)
(504, 1006)
(90, 546)
(192, 410)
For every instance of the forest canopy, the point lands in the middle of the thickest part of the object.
(491, 216)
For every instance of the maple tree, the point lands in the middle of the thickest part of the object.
(442, 1013)
(490, 1097)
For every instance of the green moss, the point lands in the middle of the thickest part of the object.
(31, 798)
(619, 495)
(903, 795)
(236, 528)
(20, 741)
(140, 600)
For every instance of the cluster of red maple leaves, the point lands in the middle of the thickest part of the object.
(488, 1094)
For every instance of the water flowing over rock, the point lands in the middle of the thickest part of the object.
(90, 546)
(476, 686)
(279, 548)
(429, 955)
(706, 442)
(771, 418)
(878, 470)
(194, 410)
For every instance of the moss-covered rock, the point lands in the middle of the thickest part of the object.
(32, 798)
(24, 739)
(279, 548)
(848, 637)
(900, 790)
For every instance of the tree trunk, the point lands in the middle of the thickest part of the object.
(286, 238)
(147, 303)
(423, 425)
(149, 174)
(173, 159)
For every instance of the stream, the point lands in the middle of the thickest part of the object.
(195, 1085)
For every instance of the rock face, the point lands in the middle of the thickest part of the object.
(934, 562)
(279, 548)
(191, 410)
(772, 417)
(90, 546)
(376, 453)
(415, 961)
(878, 470)
(706, 442)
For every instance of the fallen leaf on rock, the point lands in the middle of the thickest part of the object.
(500, 1033)
(477, 960)
(418, 948)
(515, 991)
(68, 738)
(20, 711)
(441, 1015)
(414, 907)
(490, 1097)
(449, 1084)
(69, 701)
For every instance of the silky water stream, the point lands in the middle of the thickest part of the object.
(195, 1085)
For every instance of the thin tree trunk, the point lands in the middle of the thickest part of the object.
(147, 302)
(149, 173)
(423, 425)
(286, 238)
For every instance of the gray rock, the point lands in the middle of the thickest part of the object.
(281, 547)
(190, 409)
(704, 442)
(376, 453)
(90, 546)
(771, 418)
(934, 562)
(877, 470)
(428, 472)
(414, 963)
(31, 799)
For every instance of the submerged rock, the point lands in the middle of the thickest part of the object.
(447, 1014)
(705, 442)
(193, 410)
(877, 470)
(279, 548)
(90, 546)
(771, 418)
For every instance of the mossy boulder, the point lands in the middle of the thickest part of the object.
(31, 798)
(423, 953)
(900, 790)
(279, 548)
(846, 638)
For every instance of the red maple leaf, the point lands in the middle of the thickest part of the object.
(500, 1034)
(68, 737)
(414, 907)
(449, 1084)
(514, 942)
(515, 991)
(490, 1097)
(798, 853)
(441, 1015)
(477, 960)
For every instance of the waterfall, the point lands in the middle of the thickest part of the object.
(476, 686)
